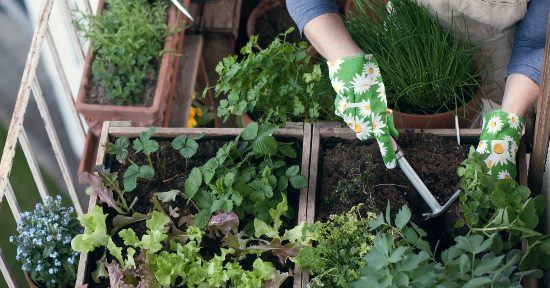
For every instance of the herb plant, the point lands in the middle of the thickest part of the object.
(233, 182)
(128, 38)
(187, 146)
(278, 83)
(43, 241)
(341, 244)
(491, 207)
(426, 69)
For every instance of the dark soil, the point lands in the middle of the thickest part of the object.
(434, 159)
(273, 22)
(171, 174)
(97, 94)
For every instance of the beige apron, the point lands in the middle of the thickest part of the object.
(485, 19)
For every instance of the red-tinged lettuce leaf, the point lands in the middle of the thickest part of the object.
(178, 235)
(277, 279)
(117, 276)
(120, 221)
(282, 252)
(97, 188)
(236, 242)
(224, 222)
(145, 273)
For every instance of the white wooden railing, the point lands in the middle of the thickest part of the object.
(16, 133)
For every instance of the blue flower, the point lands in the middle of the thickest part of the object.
(24, 268)
(54, 255)
(71, 260)
(58, 197)
(11, 239)
(53, 281)
(37, 205)
(39, 242)
(50, 271)
(49, 238)
(17, 257)
(38, 268)
(57, 262)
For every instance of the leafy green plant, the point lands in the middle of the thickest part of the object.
(395, 262)
(187, 146)
(278, 82)
(233, 182)
(341, 244)
(426, 69)
(491, 207)
(128, 38)
(102, 185)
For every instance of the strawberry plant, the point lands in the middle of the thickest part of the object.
(128, 38)
(249, 178)
(187, 146)
(277, 82)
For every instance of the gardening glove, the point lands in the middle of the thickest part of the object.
(499, 142)
(361, 101)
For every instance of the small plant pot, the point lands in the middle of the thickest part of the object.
(29, 280)
(263, 7)
(154, 115)
(444, 120)
(246, 119)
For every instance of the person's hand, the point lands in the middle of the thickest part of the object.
(361, 101)
(499, 141)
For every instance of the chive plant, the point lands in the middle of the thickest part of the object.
(425, 69)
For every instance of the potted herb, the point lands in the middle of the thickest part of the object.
(220, 203)
(129, 66)
(278, 83)
(43, 244)
(429, 73)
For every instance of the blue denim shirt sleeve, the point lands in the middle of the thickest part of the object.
(528, 48)
(302, 11)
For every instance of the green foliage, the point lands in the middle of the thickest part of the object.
(128, 38)
(233, 181)
(342, 243)
(187, 146)
(278, 82)
(395, 262)
(119, 148)
(425, 68)
(490, 207)
(96, 233)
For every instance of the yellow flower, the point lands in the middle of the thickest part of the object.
(198, 112)
(194, 94)
(191, 122)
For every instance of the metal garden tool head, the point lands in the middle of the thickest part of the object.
(420, 187)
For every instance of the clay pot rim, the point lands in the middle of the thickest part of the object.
(83, 107)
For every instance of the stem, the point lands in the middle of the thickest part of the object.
(149, 160)
(131, 161)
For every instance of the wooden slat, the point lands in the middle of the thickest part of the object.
(542, 124)
(56, 145)
(223, 16)
(313, 173)
(33, 164)
(65, 83)
(29, 75)
(12, 201)
(6, 271)
(73, 32)
(169, 132)
(187, 76)
(346, 133)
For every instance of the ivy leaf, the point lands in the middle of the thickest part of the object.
(119, 148)
(193, 182)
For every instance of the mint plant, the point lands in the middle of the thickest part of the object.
(277, 82)
(491, 207)
(128, 38)
(233, 182)
(187, 145)
(42, 243)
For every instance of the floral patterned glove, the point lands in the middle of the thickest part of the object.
(361, 101)
(499, 143)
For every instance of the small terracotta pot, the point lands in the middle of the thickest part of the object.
(262, 8)
(95, 114)
(246, 120)
(441, 120)
(31, 283)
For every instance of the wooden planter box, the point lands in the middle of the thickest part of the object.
(141, 116)
(299, 131)
(327, 129)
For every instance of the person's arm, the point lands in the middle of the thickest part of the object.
(524, 70)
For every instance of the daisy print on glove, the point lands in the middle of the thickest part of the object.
(382, 93)
(362, 128)
(482, 147)
(513, 120)
(365, 109)
(361, 83)
(377, 125)
(513, 146)
(334, 66)
(338, 85)
(341, 104)
(494, 125)
(371, 70)
(503, 175)
(383, 150)
(499, 154)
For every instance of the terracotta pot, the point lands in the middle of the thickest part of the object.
(246, 120)
(31, 283)
(140, 116)
(263, 7)
(440, 120)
